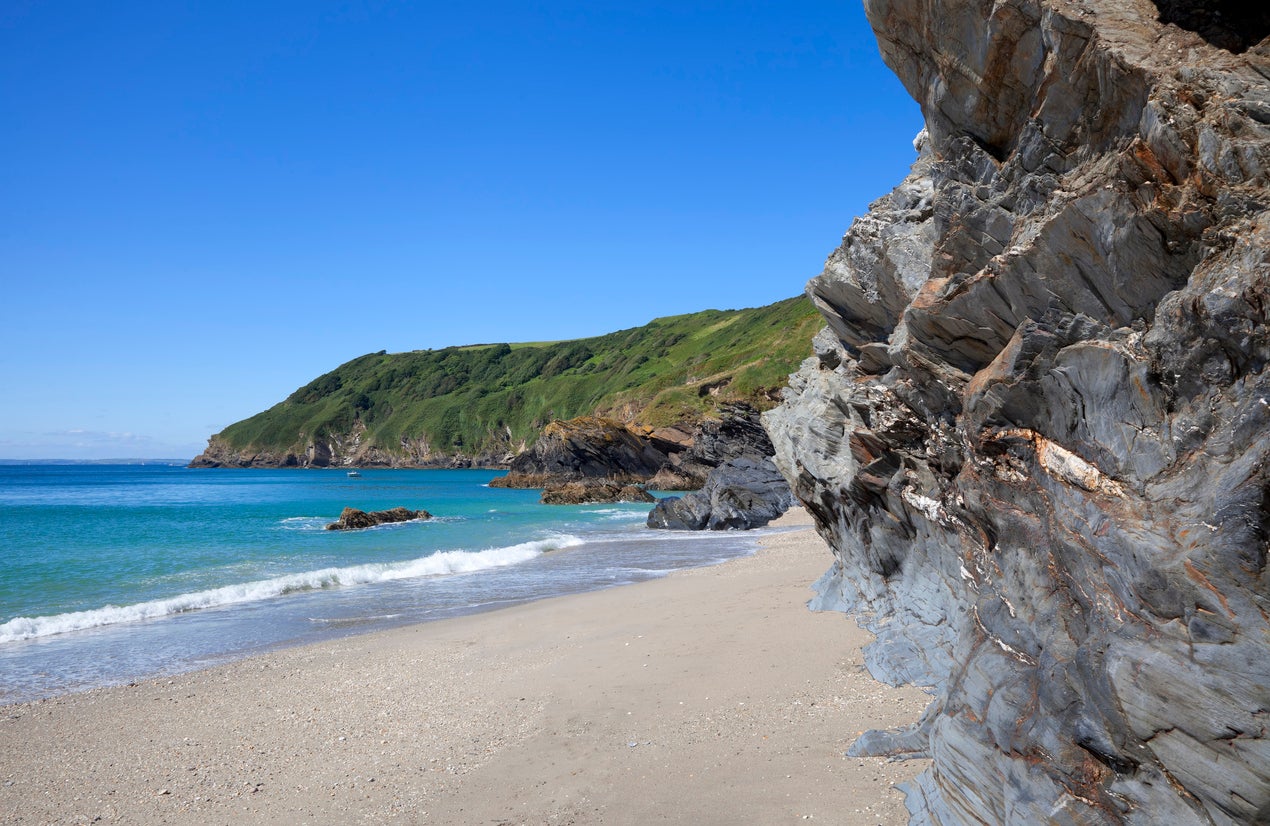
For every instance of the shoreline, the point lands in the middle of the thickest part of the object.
(712, 694)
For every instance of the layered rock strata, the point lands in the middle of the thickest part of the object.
(589, 447)
(740, 494)
(1036, 429)
(737, 433)
(670, 458)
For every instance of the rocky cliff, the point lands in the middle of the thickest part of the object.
(1035, 429)
(588, 447)
(353, 449)
(679, 457)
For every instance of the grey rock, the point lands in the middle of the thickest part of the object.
(737, 433)
(1036, 432)
(740, 494)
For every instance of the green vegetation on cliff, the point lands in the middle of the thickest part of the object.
(484, 398)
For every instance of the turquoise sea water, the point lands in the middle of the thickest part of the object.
(114, 573)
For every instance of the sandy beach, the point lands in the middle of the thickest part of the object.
(710, 696)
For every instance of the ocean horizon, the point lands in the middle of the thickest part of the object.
(113, 573)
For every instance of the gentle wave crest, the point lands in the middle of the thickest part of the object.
(305, 523)
(443, 563)
(619, 514)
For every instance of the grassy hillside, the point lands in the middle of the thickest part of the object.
(465, 399)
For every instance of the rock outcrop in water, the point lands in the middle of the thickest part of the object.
(1037, 429)
(352, 519)
(593, 492)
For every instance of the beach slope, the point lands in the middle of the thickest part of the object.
(710, 696)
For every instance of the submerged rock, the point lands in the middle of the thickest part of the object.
(593, 491)
(740, 494)
(1037, 431)
(352, 519)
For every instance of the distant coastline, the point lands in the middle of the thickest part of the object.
(26, 462)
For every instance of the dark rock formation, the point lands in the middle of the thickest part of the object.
(669, 478)
(1037, 433)
(671, 458)
(739, 494)
(738, 432)
(593, 491)
(351, 519)
(586, 448)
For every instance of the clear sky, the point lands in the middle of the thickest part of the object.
(205, 205)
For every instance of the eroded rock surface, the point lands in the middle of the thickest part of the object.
(1035, 431)
(352, 519)
(593, 491)
(740, 494)
(669, 458)
(350, 450)
(737, 433)
(588, 447)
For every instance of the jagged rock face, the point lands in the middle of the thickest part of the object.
(588, 447)
(593, 447)
(1035, 431)
(737, 433)
(740, 494)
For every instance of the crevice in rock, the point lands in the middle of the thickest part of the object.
(997, 152)
(1233, 25)
(1107, 756)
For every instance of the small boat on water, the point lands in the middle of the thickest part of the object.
(352, 474)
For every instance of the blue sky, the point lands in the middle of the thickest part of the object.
(206, 205)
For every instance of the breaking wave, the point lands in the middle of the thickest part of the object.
(443, 563)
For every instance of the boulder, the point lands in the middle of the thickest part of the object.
(352, 519)
(739, 494)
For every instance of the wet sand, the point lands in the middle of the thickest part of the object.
(710, 696)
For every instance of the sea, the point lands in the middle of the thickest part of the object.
(110, 574)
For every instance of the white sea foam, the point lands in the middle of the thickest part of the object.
(618, 514)
(444, 563)
(305, 523)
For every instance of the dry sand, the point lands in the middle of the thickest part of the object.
(710, 696)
